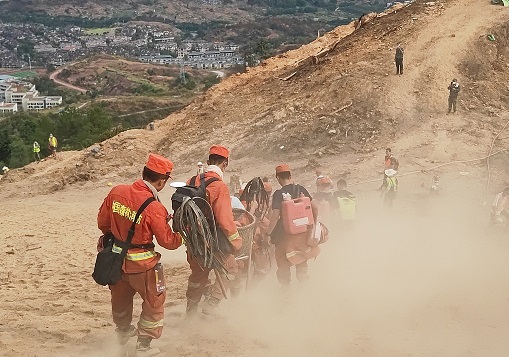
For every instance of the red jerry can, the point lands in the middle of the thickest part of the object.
(297, 215)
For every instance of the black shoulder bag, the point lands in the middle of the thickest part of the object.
(108, 263)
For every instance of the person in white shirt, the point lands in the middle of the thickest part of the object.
(201, 168)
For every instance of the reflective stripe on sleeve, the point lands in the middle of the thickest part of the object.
(234, 236)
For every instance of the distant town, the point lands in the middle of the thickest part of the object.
(36, 45)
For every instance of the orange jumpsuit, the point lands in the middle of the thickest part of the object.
(218, 197)
(116, 215)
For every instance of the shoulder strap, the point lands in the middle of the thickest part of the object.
(193, 180)
(130, 234)
(296, 188)
(210, 180)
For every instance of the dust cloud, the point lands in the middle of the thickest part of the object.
(427, 277)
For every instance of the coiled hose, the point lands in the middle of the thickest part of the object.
(194, 220)
(255, 192)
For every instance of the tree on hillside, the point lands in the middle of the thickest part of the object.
(20, 152)
(263, 48)
(50, 68)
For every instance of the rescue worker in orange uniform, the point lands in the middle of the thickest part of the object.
(138, 271)
(282, 241)
(218, 196)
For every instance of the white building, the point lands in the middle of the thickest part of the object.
(8, 107)
(52, 101)
(15, 93)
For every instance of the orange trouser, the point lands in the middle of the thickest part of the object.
(152, 313)
(283, 272)
(199, 278)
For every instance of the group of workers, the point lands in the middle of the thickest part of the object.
(52, 147)
(454, 86)
(139, 274)
(117, 213)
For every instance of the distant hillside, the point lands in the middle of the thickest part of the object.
(193, 10)
(281, 24)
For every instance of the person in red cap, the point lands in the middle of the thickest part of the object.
(279, 237)
(138, 272)
(219, 199)
(326, 202)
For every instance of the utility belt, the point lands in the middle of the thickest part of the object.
(148, 254)
(141, 246)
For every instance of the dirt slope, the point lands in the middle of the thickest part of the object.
(260, 115)
(427, 279)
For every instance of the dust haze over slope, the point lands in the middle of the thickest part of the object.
(426, 278)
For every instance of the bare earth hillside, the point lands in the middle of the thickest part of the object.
(425, 279)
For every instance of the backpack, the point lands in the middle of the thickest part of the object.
(191, 191)
(394, 163)
(199, 194)
(347, 208)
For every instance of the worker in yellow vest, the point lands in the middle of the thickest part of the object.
(52, 144)
(37, 150)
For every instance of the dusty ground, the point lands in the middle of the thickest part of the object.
(425, 279)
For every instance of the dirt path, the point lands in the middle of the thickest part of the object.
(53, 76)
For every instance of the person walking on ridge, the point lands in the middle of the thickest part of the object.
(398, 58)
(454, 89)
(37, 150)
(52, 145)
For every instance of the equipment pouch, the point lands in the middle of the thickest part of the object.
(105, 240)
(108, 265)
